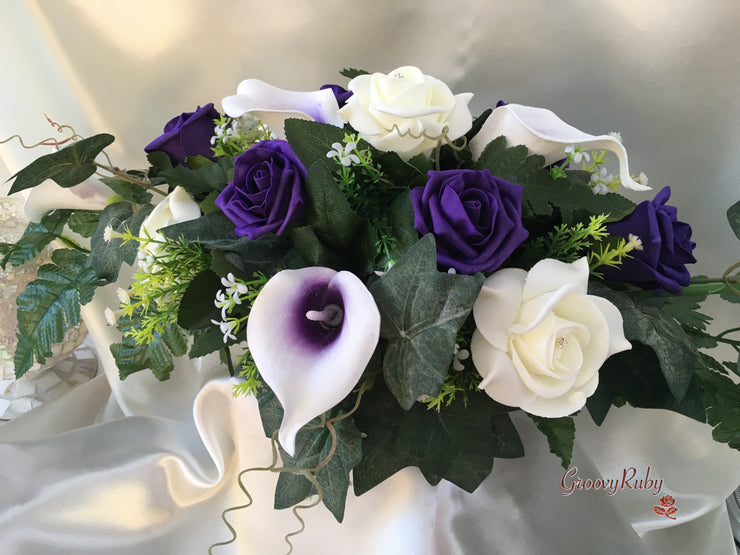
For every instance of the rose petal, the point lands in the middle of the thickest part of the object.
(310, 367)
(497, 305)
(544, 133)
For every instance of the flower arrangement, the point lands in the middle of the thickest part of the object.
(389, 276)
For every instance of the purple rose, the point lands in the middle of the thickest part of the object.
(666, 247)
(340, 93)
(476, 218)
(188, 134)
(266, 194)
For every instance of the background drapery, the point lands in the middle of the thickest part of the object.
(146, 466)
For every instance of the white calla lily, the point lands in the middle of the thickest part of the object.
(311, 333)
(91, 194)
(544, 133)
(176, 208)
(273, 105)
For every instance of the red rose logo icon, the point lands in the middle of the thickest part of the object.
(666, 507)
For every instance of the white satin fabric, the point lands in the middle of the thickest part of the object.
(146, 467)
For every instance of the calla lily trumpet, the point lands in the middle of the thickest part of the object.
(91, 194)
(311, 333)
(273, 105)
(544, 133)
(176, 208)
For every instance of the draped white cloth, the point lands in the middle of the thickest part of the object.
(146, 467)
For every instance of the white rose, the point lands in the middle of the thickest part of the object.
(177, 207)
(541, 339)
(405, 111)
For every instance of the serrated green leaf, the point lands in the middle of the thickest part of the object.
(50, 304)
(67, 167)
(421, 311)
(351, 73)
(721, 396)
(106, 257)
(313, 250)
(160, 162)
(456, 444)
(653, 327)
(206, 341)
(84, 222)
(136, 194)
(560, 434)
(155, 355)
(327, 210)
(196, 307)
(733, 217)
(35, 237)
(214, 176)
(311, 140)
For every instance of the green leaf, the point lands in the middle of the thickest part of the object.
(84, 222)
(207, 178)
(721, 397)
(50, 304)
(635, 377)
(155, 355)
(136, 194)
(560, 434)
(327, 209)
(401, 220)
(313, 445)
(107, 256)
(35, 238)
(733, 217)
(311, 140)
(421, 311)
(206, 341)
(351, 73)
(313, 250)
(196, 307)
(512, 164)
(160, 162)
(67, 167)
(653, 327)
(457, 444)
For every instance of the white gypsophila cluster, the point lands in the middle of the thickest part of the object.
(576, 154)
(226, 300)
(460, 355)
(600, 181)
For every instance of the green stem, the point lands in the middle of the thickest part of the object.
(127, 177)
(72, 243)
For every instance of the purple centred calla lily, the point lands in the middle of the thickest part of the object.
(311, 333)
(474, 216)
(188, 134)
(666, 246)
(266, 193)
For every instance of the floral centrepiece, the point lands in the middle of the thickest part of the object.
(390, 277)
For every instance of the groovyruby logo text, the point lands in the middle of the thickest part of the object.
(631, 479)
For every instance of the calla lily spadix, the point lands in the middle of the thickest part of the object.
(91, 194)
(311, 333)
(273, 105)
(544, 133)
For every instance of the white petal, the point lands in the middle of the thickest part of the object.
(273, 105)
(544, 133)
(497, 305)
(182, 206)
(309, 377)
(550, 275)
(617, 341)
(91, 194)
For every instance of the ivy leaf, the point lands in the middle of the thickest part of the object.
(456, 443)
(311, 140)
(155, 355)
(84, 222)
(106, 257)
(196, 307)
(35, 238)
(733, 217)
(421, 311)
(653, 327)
(67, 167)
(401, 220)
(351, 73)
(560, 434)
(721, 397)
(131, 192)
(313, 446)
(50, 304)
(313, 250)
(327, 210)
(214, 176)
